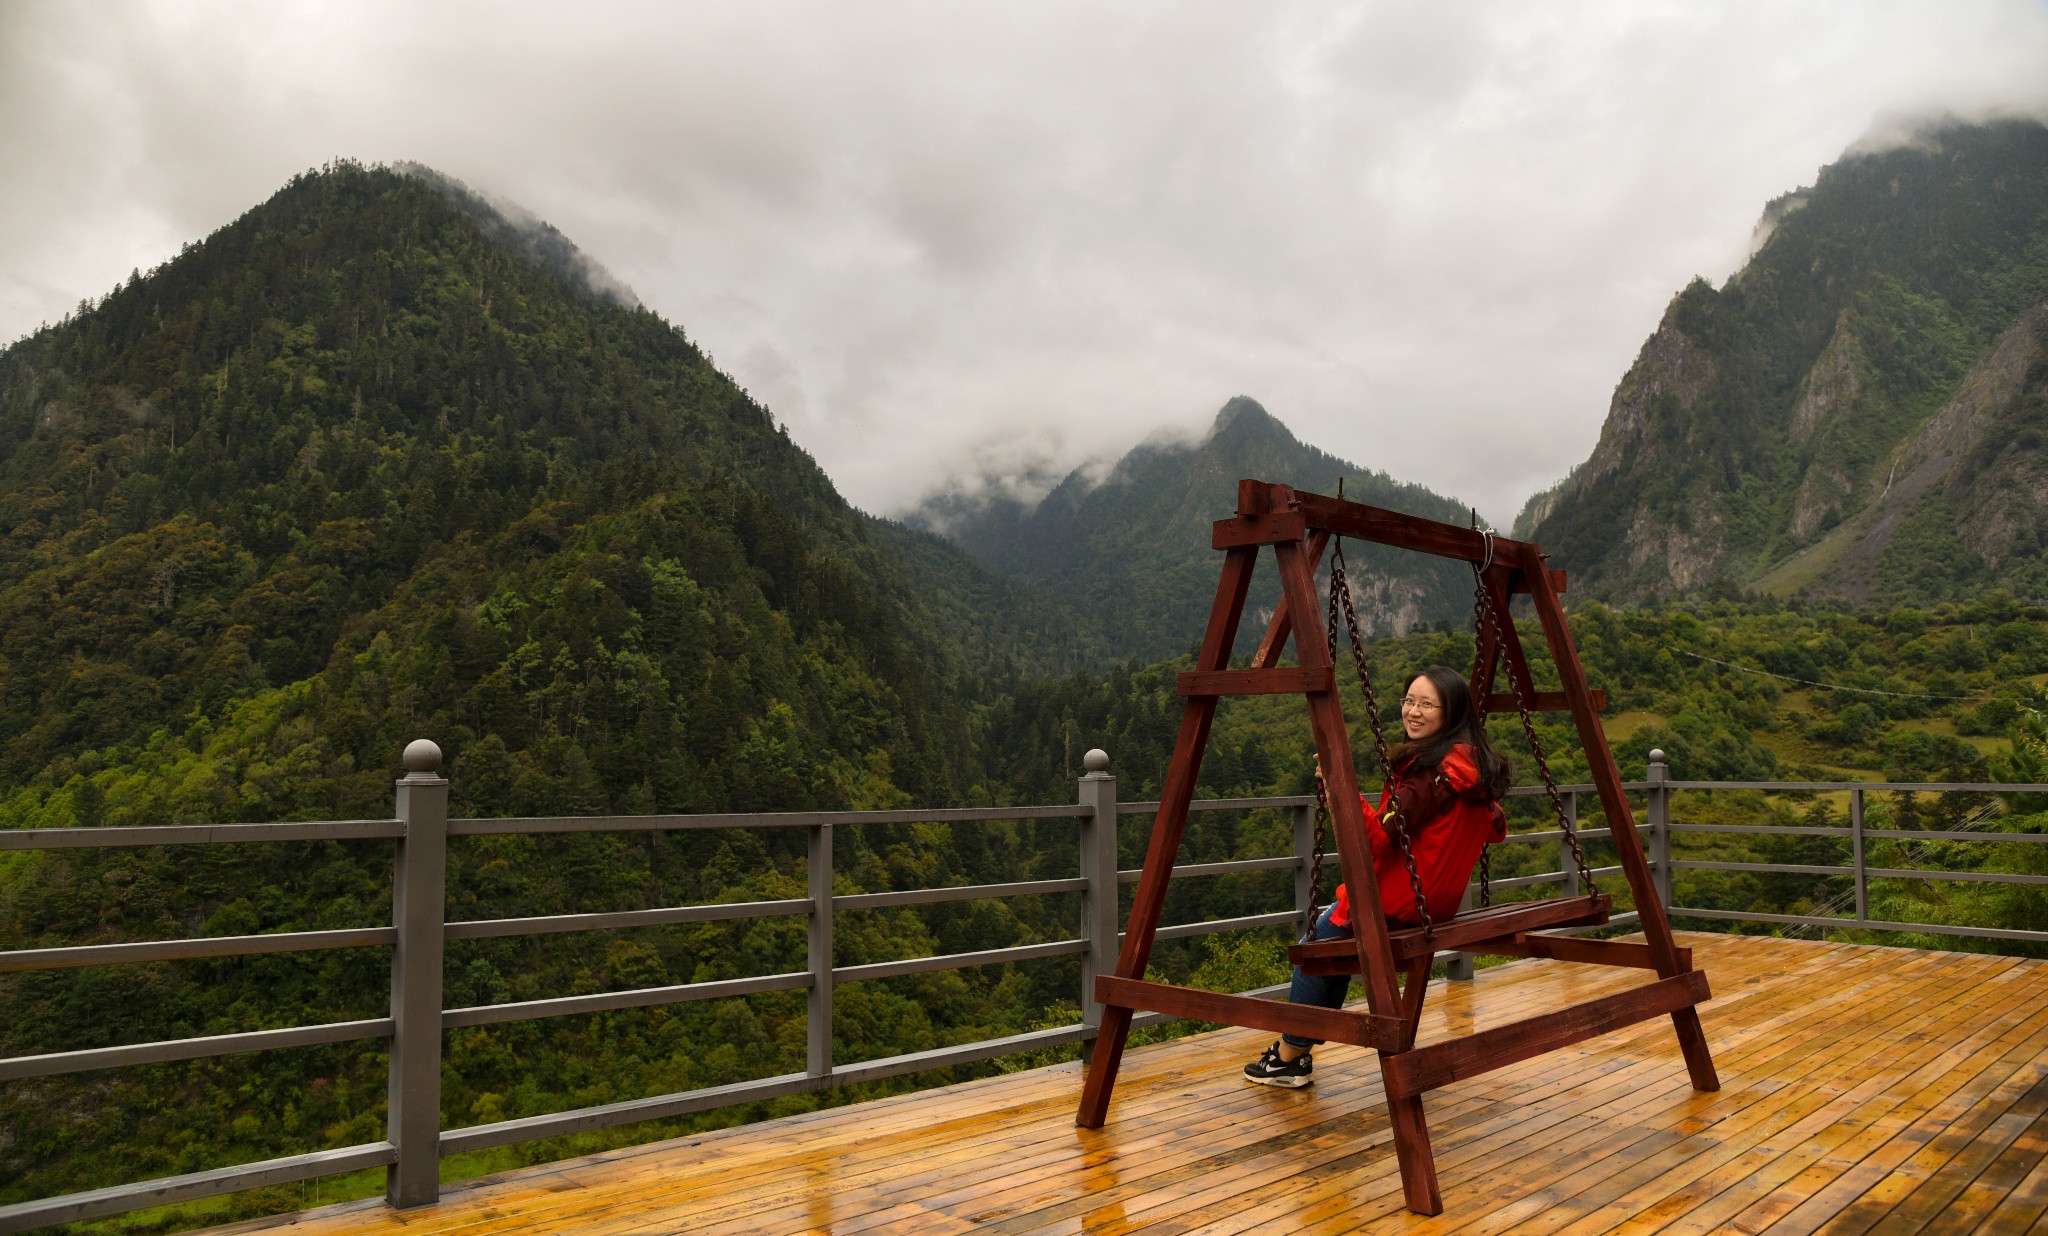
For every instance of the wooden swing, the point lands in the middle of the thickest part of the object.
(1299, 526)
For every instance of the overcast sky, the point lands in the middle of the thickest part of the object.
(943, 241)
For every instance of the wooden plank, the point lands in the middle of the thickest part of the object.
(1827, 1087)
(1767, 1195)
(1543, 701)
(1291, 680)
(1275, 1170)
(1348, 1191)
(1384, 527)
(976, 1184)
(1572, 948)
(1440, 1064)
(1330, 1121)
(1257, 530)
(1364, 522)
(1259, 497)
(1868, 1157)
(2023, 1208)
(1935, 1196)
(1306, 1020)
(1760, 1163)
(1936, 1118)
(1997, 1181)
(1237, 1142)
(1488, 922)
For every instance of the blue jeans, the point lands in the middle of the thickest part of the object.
(1327, 990)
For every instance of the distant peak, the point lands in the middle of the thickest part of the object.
(539, 241)
(1244, 417)
(1240, 408)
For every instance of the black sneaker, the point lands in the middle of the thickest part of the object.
(1270, 1070)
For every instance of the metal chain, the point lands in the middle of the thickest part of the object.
(1315, 862)
(1390, 818)
(1480, 697)
(1571, 835)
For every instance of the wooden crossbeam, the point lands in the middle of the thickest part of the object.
(1305, 1020)
(1287, 681)
(1333, 957)
(1255, 530)
(1434, 1065)
(1630, 953)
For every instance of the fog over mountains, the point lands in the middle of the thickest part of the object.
(1130, 546)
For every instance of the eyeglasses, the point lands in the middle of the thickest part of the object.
(1419, 705)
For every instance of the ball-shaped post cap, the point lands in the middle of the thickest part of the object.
(422, 755)
(1657, 755)
(1096, 761)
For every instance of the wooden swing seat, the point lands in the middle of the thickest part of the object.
(1462, 934)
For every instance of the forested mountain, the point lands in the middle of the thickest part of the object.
(1860, 410)
(359, 449)
(378, 461)
(1131, 549)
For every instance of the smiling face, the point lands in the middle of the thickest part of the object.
(1422, 709)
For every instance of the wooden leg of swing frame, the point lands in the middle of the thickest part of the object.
(1411, 1129)
(1692, 1042)
(1411, 1150)
(1102, 1066)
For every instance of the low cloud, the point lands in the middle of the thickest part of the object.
(978, 246)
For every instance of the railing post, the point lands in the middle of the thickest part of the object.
(1856, 848)
(1098, 867)
(818, 1016)
(419, 901)
(1660, 827)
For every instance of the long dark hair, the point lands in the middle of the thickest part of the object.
(1461, 724)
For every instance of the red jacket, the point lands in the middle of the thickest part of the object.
(1449, 816)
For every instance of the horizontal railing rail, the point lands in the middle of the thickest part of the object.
(772, 819)
(199, 834)
(420, 929)
(1850, 909)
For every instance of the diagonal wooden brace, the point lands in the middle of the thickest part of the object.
(1439, 1064)
(1306, 1020)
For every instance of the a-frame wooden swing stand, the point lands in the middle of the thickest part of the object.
(1298, 527)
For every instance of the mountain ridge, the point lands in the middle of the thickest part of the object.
(1760, 418)
(1130, 547)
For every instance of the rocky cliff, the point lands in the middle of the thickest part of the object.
(1855, 412)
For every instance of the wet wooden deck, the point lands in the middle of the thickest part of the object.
(1863, 1090)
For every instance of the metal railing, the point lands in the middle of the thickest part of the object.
(1859, 872)
(419, 931)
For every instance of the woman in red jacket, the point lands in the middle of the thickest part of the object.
(1450, 781)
